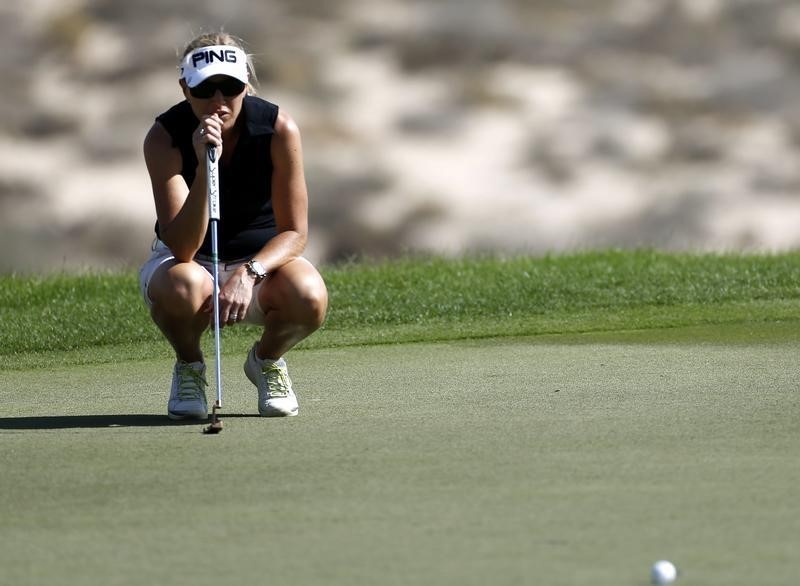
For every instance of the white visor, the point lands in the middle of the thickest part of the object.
(205, 62)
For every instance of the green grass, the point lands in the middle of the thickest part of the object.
(101, 318)
(505, 461)
(560, 421)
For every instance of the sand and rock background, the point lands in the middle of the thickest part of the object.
(447, 126)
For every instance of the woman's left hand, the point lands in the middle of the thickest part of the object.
(234, 298)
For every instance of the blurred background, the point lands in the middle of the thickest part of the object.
(446, 126)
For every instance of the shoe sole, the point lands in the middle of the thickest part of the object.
(276, 413)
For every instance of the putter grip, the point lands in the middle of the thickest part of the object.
(212, 166)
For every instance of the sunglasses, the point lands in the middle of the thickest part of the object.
(229, 87)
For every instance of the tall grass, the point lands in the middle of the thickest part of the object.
(434, 298)
(407, 291)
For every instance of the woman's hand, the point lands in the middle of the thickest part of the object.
(209, 131)
(234, 298)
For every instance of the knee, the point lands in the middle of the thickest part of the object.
(313, 302)
(301, 298)
(181, 287)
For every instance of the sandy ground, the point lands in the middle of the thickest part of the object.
(515, 157)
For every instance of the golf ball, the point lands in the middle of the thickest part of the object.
(663, 572)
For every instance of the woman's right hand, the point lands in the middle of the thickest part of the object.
(209, 131)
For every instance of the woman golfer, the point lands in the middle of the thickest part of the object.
(263, 227)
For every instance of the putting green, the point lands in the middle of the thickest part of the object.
(553, 460)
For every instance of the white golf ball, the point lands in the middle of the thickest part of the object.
(663, 572)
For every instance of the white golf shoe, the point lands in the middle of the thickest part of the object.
(187, 398)
(275, 395)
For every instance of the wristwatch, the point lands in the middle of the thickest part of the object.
(256, 269)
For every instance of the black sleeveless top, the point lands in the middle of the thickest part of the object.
(247, 221)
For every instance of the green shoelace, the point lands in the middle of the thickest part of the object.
(278, 382)
(191, 383)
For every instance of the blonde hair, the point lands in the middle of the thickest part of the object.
(222, 38)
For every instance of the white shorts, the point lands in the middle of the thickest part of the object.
(162, 254)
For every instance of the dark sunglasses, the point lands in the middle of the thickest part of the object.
(229, 87)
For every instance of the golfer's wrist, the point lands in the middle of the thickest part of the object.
(246, 276)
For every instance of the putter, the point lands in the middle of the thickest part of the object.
(212, 181)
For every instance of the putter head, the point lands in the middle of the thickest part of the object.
(216, 424)
(215, 427)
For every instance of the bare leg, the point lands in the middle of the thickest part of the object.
(179, 291)
(294, 300)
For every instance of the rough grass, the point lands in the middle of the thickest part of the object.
(100, 317)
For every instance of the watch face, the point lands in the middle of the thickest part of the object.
(258, 268)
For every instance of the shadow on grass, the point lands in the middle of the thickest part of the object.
(103, 421)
